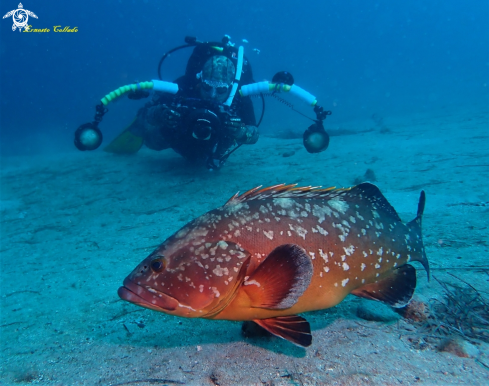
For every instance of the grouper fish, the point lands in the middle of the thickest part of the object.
(272, 253)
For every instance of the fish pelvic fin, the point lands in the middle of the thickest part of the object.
(280, 279)
(396, 289)
(416, 233)
(293, 328)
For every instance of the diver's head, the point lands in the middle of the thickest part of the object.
(216, 78)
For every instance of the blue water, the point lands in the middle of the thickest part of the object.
(409, 80)
(357, 57)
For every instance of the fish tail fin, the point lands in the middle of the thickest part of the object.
(417, 235)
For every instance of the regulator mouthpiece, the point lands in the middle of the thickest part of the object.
(88, 137)
(315, 138)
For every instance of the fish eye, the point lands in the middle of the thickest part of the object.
(157, 265)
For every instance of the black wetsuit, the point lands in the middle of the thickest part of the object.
(180, 138)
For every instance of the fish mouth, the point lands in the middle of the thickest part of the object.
(146, 297)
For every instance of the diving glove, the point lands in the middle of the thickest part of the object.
(243, 134)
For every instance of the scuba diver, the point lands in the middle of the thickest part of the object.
(187, 123)
(204, 115)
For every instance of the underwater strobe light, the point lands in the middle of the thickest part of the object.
(88, 137)
(315, 138)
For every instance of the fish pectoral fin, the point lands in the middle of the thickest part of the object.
(395, 290)
(293, 328)
(280, 279)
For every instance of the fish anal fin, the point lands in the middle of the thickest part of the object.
(280, 279)
(293, 328)
(395, 290)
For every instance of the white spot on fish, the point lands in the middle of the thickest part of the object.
(377, 266)
(380, 251)
(339, 205)
(182, 233)
(346, 267)
(362, 267)
(268, 234)
(252, 282)
(349, 250)
(324, 255)
(299, 230)
(285, 203)
(321, 230)
(216, 292)
(326, 269)
(240, 255)
(343, 282)
(218, 271)
(320, 212)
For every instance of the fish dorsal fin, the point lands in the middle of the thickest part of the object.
(293, 328)
(372, 193)
(364, 191)
(280, 279)
(395, 290)
(283, 191)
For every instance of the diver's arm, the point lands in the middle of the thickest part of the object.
(162, 115)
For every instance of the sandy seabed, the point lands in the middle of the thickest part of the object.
(74, 225)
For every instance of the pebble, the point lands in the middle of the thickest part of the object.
(376, 311)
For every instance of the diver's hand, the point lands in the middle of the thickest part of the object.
(235, 128)
(242, 133)
(163, 116)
